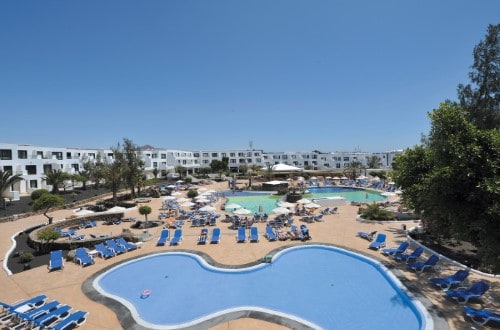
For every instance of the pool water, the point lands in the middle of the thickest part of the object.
(350, 194)
(319, 286)
(267, 202)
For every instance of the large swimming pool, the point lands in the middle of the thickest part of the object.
(318, 286)
(256, 201)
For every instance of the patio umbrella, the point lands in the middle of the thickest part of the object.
(187, 204)
(183, 199)
(281, 210)
(233, 206)
(242, 211)
(312, 206)
(202, 200)
(83, 212)
(169, 197)
(207, 208)
(286, 204)
(304, 201)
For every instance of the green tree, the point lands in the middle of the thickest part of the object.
(353, 170)
(46, 202)
(482, 99)
(373, 162)
(373, 211)
(55, 178)
(453, 181)
(112, 172)
(134, 166)
(145, 210)
(269, 171)
(7, 179)
(39, 192)
(181, 170)
(95, 170)
(155, 173)
(47, 236)
(220, 166)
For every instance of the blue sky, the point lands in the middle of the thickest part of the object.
(287, 75)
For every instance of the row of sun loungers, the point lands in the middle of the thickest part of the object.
(448, 283)
(37, 312)
(177, 237)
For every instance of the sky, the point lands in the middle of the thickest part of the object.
(279, 75)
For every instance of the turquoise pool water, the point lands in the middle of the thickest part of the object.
(319, 286)
(269, 202)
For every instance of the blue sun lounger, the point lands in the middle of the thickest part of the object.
(18, 319)
(26, 304)
(82, 257)
(75, 319)
(482, 316)
(103, 251)
(117, 249)
(410, 257)
(420, 266)
(447, 282)
(164, 236)
(270, 234)
(56, 260)
(393, 251)
(56, 315)
(379, 242)
(242, 235)
(254, 234)
(127, 245)
(202, 239)
(177, 238)
(367, 236)
(215, 236)
(462, 295)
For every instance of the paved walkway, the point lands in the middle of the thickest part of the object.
(339, 230)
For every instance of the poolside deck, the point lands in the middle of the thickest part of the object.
(339, 229)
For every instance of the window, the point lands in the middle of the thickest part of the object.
(31, 169)
(205, 154)
(242, 161)
(196, 154)
(232, 161)
(214, 154)
(91, 155)
(8, 169)
(47, 168)
(294, 157)
(258, 160)
(249, 160)
(22, 154)
(58, 155)
(232, 154)
(241, 154)
(5, 154)
(164, 156)
(205, 161)
(68, 155)
(224, 154)
(284, 157)
(39, 154)
(337, 165)
(326, 165)
(33, 184)
(346, 159)
(155, 164)
(257, 154)
(249, 154)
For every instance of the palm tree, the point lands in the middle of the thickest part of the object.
(7, 179)
(353, 170)
(373, 162)
(55, 178)
(113, 174)
(269, 171)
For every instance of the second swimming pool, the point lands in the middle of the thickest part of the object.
(267, 202)
(316, 286)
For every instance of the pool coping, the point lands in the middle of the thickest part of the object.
(127, 321)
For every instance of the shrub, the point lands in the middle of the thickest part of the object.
(192, 193)
(37, 193)
(26, 257)
(374, 212)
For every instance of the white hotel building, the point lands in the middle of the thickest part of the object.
(33, 161)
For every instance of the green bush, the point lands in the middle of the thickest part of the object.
(192, 193)
(37, 193)
(374, 212)
(26, 257)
